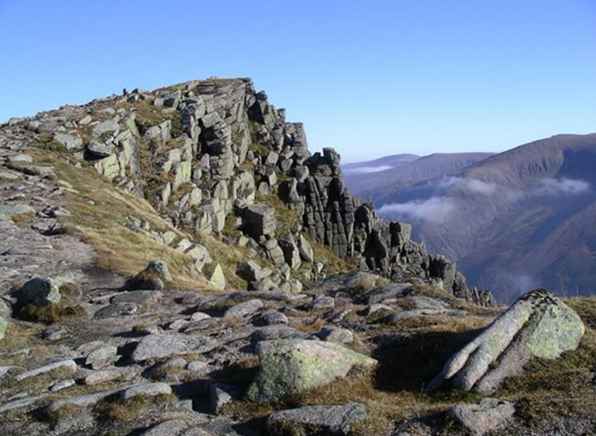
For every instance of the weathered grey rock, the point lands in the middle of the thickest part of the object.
(167, 428)
(293, 366)
(323, 302)
(62, 384)
(161, 346)
(379, 312)
(20, 158)
(81, 400)
(388, 292)
(220, 395)
(137, 297)
(244, 310)
(251, 271)
(306, 251)
(70, 142)
(105, 127)
(489, 415)
(308, 420)
(291, 252)
(274, 252)
(538, 324)
(146, 390)
(40, 291)
(100, 149)
(155, 276)
(3, 326)
(102, 357)
(278, 331)
(336, 334)
(110, 374)
(258, 220)
(67, 366)
(26, 403)
(116, 310)
(216, 277)
(273, 317)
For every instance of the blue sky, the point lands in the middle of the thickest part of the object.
(369, 78)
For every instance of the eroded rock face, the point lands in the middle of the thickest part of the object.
(537, 325)
(293, 366)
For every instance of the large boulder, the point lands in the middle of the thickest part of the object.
(259, 220)
(329, 420)
(293, 366)
(39, 291)
(538, 324)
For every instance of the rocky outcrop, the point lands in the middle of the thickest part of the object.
(215, 157)
(537, 325)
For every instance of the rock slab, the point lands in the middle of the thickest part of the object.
(538, 324)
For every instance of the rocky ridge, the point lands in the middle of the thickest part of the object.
(215, 157)
(126, 310)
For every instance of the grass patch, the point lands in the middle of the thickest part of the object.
(287, 219)
(99, 216)
(333, 263)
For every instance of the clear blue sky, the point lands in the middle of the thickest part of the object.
(369, 78)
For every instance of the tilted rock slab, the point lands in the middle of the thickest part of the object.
(538, 324)
(333, 420)
(166, 345)
(294, 366)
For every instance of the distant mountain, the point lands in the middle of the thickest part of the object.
(381, 177)
(519, 219)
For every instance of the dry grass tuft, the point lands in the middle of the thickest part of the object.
(130, 410)
(99, 213)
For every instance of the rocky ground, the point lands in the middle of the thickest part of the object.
(176, 262)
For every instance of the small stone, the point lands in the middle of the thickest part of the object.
(69, 366)
(489, 415)
(323, 302)
(199, 316)
(220, 395)
(274, 317)
(54, 333)
(63, 384)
